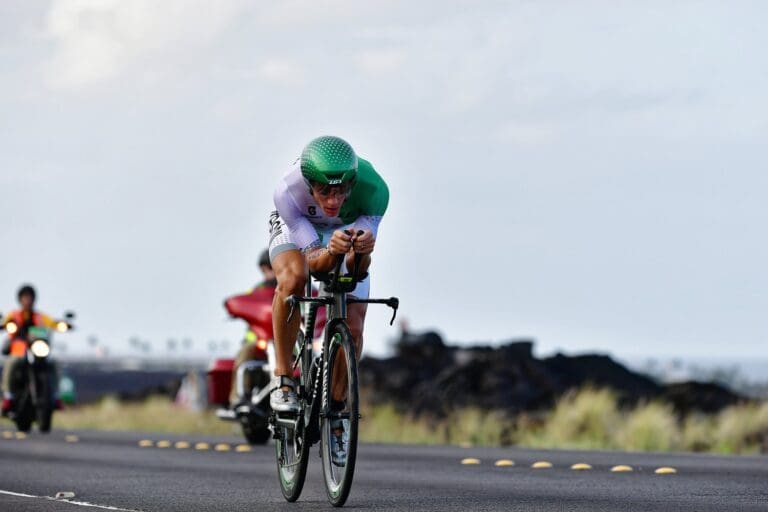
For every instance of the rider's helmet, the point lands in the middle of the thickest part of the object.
(329, 160)
(26, 289)
(264, 259)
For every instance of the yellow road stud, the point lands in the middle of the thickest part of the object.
(665, 471)
(7, 435)
(222, 447)
(542, 464)
(503, 463)
(202, 446)
(621, 468)
(181, 445)
(470, 461)
(71, 439)
(146, 443)
(243, 448)
(163, 444)
(580, 466)
(20, 435)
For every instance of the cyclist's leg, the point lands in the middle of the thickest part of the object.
(289, 267)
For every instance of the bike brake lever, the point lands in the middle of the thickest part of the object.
(394, 303)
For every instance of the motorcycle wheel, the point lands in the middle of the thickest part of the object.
(256, 432)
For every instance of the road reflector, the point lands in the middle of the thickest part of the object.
(580, 466)
(202, 446)
(181, 445)
(222, 447)
(665, 471)
(504, 463)
(163, 444)
(7, 435)
(71, 439)
(145, 443)
(64, 495)
(243, 448)
(542, 464)
(470, 461)
(20, 435)
(621, 468)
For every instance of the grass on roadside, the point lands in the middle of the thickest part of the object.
(584, 419)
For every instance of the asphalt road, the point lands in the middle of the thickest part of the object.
(112, 470)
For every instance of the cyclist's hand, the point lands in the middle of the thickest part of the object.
(340, 243)
(364, 243)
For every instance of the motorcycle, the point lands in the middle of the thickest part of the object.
(252, 377)
(34, 380)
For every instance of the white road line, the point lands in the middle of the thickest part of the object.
(71, 502)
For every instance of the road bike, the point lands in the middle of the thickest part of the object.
(318, 414)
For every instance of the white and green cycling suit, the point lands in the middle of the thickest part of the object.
(299, 223)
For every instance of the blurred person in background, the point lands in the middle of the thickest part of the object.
(23, 318)
(247, 352)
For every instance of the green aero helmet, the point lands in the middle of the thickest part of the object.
(329, 160)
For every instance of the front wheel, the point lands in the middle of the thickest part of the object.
(339, 421)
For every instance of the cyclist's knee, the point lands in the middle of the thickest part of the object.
(291, 283)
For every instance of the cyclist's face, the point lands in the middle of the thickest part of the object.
(330, 197)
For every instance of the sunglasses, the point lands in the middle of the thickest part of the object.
(325, 190)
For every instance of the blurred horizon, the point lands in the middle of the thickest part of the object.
(591, 176)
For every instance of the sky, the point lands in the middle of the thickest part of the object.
(589, 174)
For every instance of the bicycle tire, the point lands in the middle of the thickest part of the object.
(338, 482)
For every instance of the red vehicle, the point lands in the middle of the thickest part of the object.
(252, 376)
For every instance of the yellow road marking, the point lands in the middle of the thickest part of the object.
(181, 445)
(222, 447)
(465, 444)
(20, 435)
(581, 466)
(470, 461)
(243, 448)
(145, 443)
(71, 439)
(202, 446)
(7, 435)
(542, 464)
(665, 471)
(163, 444)
(504, 463)
(621, 468)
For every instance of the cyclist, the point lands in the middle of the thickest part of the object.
(24, 318)
(328, 190)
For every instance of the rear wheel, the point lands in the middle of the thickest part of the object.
(292, 450)
(338, 474)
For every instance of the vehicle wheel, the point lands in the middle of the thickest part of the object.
(44, 419)
(292, 451)
(341, 354)
(256, 432)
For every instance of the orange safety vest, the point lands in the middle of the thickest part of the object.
(19, 342)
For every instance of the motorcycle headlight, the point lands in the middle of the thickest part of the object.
(62, 327)
(40, 348)
(11, 327)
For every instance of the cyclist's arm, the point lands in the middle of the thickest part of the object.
(47, 321)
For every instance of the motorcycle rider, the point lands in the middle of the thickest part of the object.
(246, 352)
(328, 190)
(24, 318)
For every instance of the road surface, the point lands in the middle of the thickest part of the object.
(135, 471)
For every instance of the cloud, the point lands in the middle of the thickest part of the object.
(95, 40)
(381, 62)
(282, 71)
